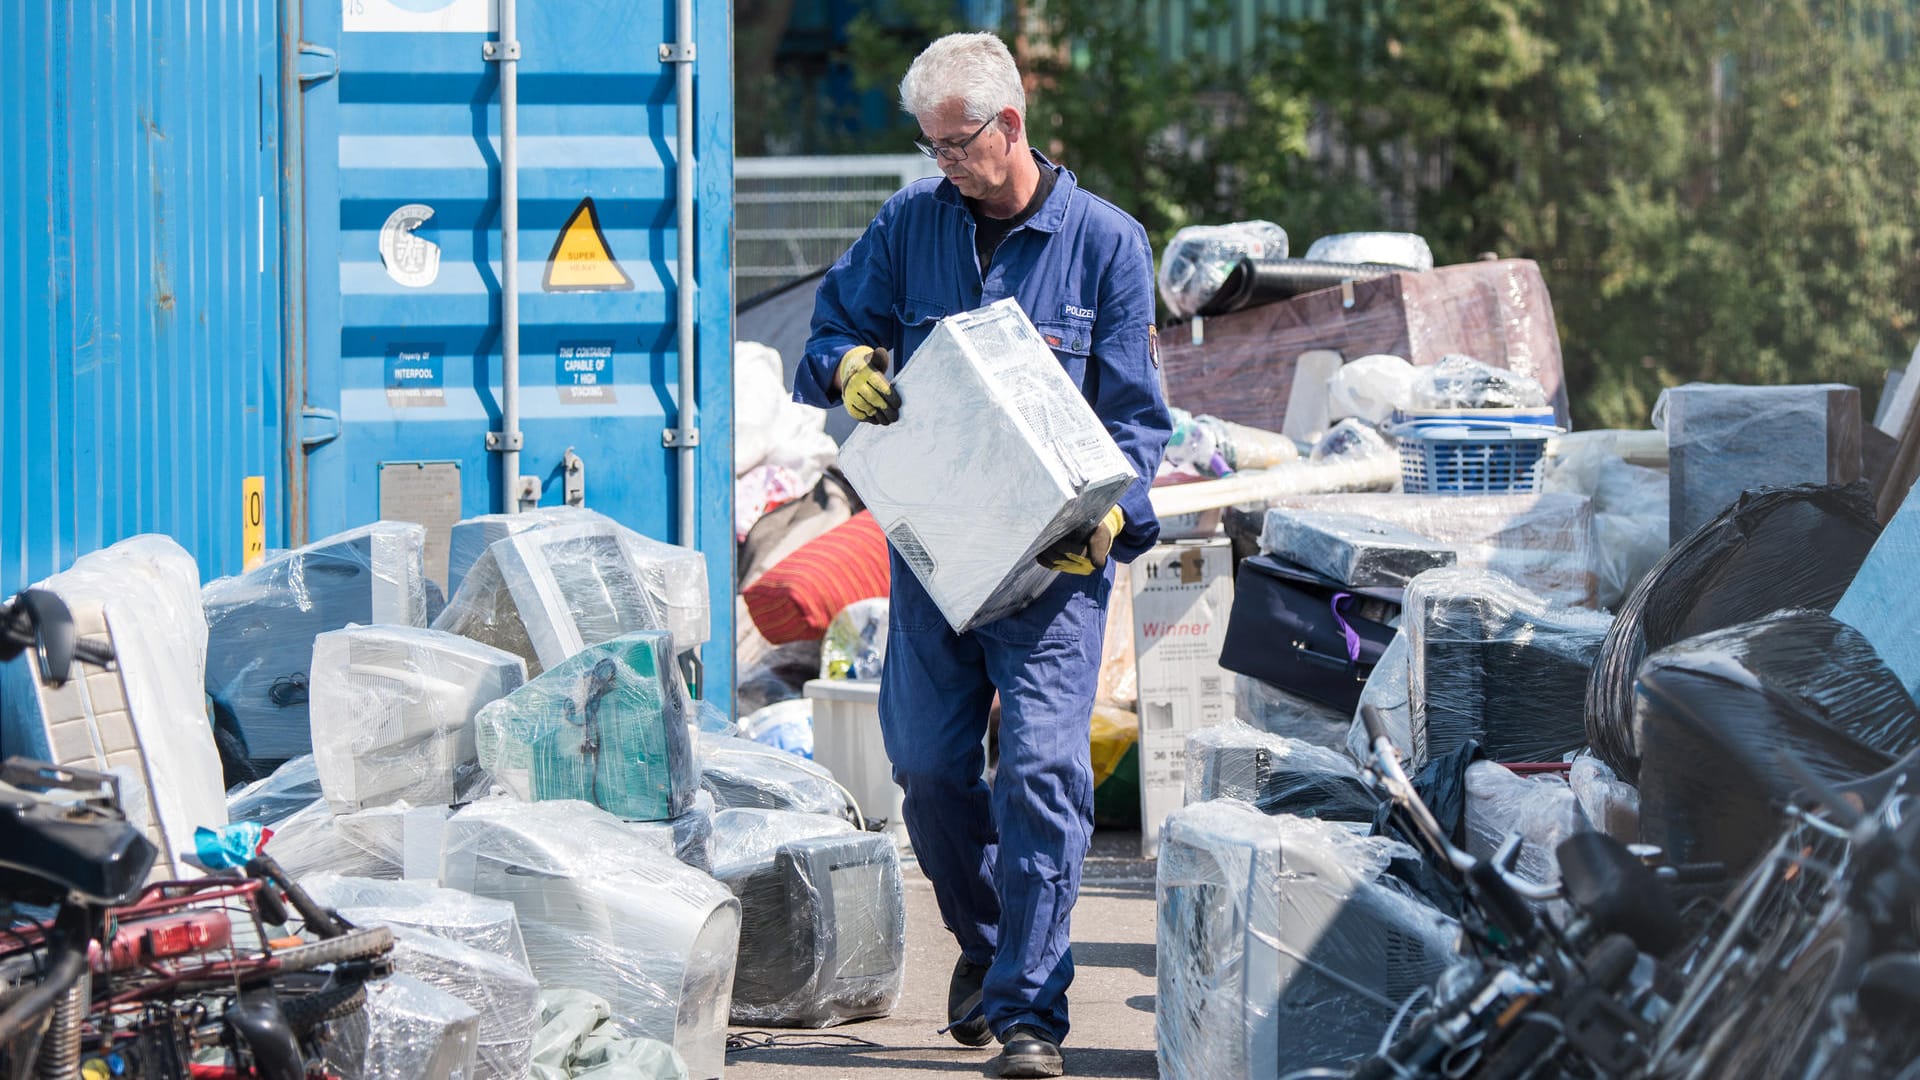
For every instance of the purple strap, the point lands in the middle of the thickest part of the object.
(1353, 637)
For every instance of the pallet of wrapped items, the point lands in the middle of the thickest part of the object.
(393, 713)
(823, 918)
(261, 626)
(144, 719)
(1281, 944)
(657, 939)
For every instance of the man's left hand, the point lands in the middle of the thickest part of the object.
(1085, 554)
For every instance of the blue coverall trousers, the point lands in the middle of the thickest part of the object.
(1005, 862)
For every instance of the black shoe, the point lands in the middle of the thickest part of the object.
(1029, 1053)
(963, 998)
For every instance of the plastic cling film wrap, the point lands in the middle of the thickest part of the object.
(261, 626)
(1795, 685)
(499, 988)
(1215, 447)
(1371, 389)
(368, 843)
(1278, 775)
(392, 709)
(1751, 560)
(144, 720)
(856, 643)
(1459, 381)
(1354, 550)
(1388, 689)
(1378, 248)
(601, 913)
(1609, 804)
(546, 594)
(688, 837)
(487, 925)
(416, 1031)
(1541, 811)
(287, 790)
(1279, 946)
(1543, 542)
(823, 918)
(741, 773)
(470, 537)
(1198, 259)
(975, 479)
(1492, 662)
(1725, 440)
(1268, 708)
(608, 725)
(1629, 508)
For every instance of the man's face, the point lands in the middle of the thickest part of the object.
(987, 166)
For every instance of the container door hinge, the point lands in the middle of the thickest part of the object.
(670, 438)
(318, 426)
(317, 63)
(499, 51)
(497, 441)
(573, 472)
(671, 53)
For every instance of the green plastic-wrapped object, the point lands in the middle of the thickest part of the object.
(608, 726)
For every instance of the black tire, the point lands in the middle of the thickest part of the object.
(304, 1012)
(360, 943)
(1777, 1037)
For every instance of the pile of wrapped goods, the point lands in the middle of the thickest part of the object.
(584, 867)
(1659, 636)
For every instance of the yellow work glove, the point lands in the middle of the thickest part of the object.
(1085, 554)
(864, 388)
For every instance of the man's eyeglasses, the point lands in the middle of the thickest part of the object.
(955, 151)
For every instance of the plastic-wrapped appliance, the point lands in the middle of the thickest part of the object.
(546, 594)
(368, 843)
(392, 710)
(488, 925)
(1719, 713)
(607, 725)
(687, 837)
(500, 988)
(1492, 662)
(414, 1031)
(1277, 775)
(742, 774)
(1352, 549)
(1541, 811)
(599, 912)
(1726, 440)
(822, 918)
(471, 537)
(261, 626)
(280, 794)
(1280, 945)
(1270, 709)
(143, 720)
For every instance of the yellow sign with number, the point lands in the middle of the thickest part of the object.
(253, 519)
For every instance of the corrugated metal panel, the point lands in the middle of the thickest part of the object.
(411, 364)
(139, 277)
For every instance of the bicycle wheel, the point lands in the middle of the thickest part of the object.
(304, 1012)
(1777, 1039)
(360, 943)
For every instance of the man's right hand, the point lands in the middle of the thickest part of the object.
(864, 388)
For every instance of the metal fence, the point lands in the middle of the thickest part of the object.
(795, 215)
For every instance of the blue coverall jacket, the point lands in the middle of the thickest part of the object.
(1005, 863)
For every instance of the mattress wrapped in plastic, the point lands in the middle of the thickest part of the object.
(1352, 549)
(392, 711)
(1276, 774)
(413, 1030)
(822, 918)
(602, 913)
(1543, 542)
(1718, 713)
(144, 719)
(1795, 547)
(1492, 662)
(261, 626)
(743, 774)
(607, 725)
(1280, 943)
(546, 594)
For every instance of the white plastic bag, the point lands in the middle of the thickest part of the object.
(1370, 388)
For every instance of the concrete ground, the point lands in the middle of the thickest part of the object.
(1112, 996)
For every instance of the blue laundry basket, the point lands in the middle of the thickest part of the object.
(1471, 457)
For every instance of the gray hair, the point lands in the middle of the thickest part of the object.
(974, 69)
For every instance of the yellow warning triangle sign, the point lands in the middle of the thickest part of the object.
(581, 261)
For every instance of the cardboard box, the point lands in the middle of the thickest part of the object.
(995, 456)
(1182, 594)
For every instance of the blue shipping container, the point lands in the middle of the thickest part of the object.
(264, 241)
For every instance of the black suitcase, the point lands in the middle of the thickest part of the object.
(1306, 633)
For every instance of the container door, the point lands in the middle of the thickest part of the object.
(400, 371)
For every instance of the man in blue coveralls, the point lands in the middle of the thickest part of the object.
(1004, 221)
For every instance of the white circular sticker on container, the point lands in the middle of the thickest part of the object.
(411, 259)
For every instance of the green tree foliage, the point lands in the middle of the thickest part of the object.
(1715, 189)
